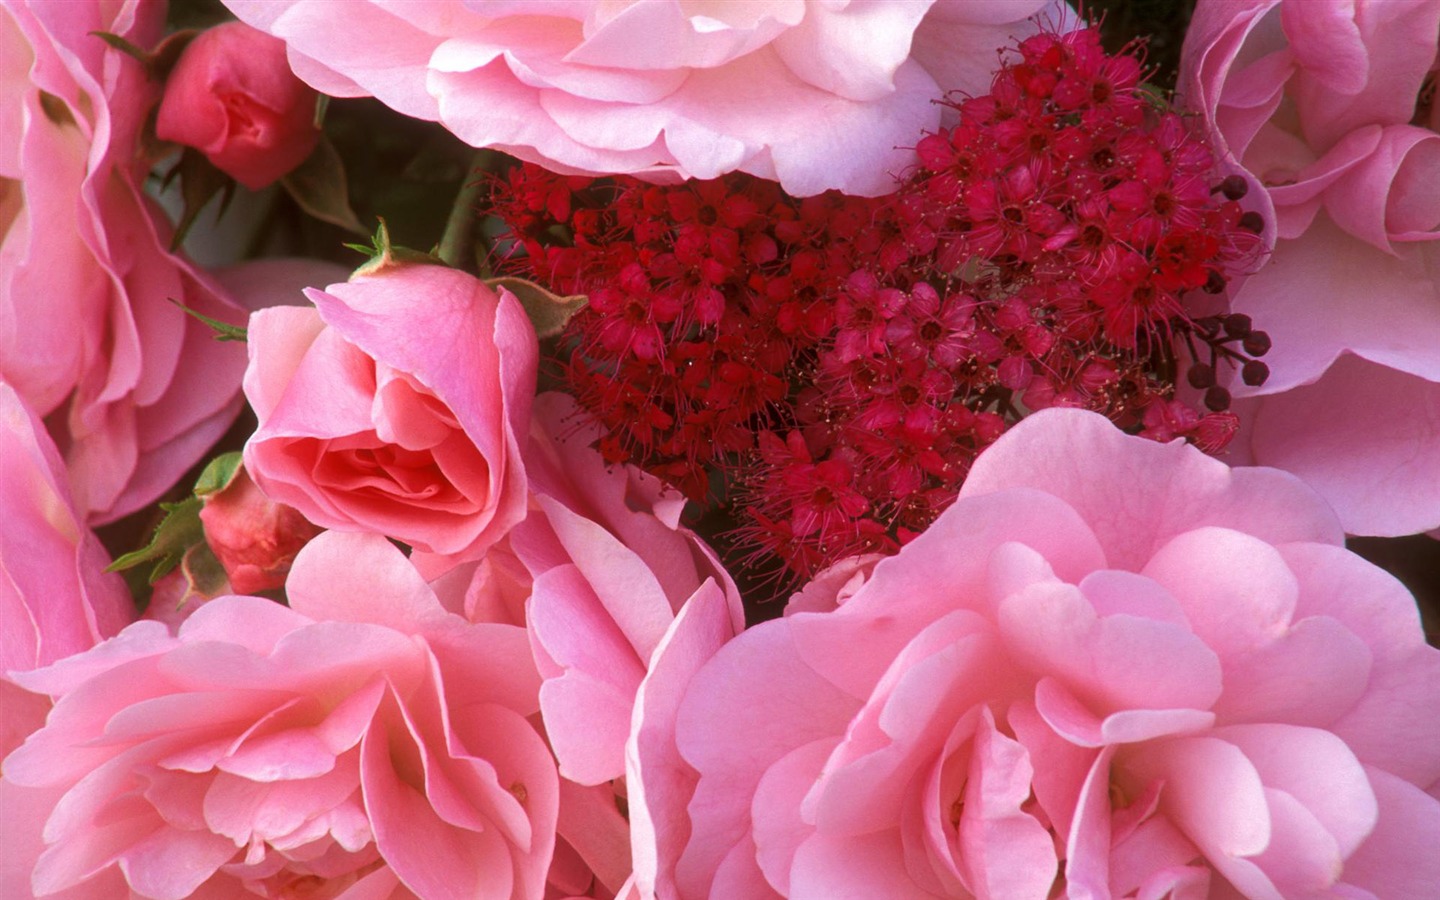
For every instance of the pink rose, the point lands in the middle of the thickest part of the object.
(233, 97)
(609, 565)
(254, 537)
(1113, 662)
(55, 596)
(396, 405)
(813, 95)
(1316, 102)
(362, 742)
(133, 389)
(55, 600)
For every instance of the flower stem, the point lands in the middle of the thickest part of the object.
(456, 240)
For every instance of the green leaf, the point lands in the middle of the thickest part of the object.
(1157, 97)
(320, 188)
(218, 474)
(158, 62)
(174, 536)
(548, 312)
(224, 331)
(200, 181)
(124, 46)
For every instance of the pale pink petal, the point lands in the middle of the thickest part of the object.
(852, 867)
(717, 733)
(1235, 589)
(1318, 770)
(1212, 792)
(780, 828)
(325, 583)
(1375, 470)
(1169, 488)
(1005, 852)
(655, 771)
(955, 548)
(1329, 293)
(1407, 829)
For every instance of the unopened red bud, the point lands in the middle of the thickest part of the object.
(254, 537)
(1252, 221)
(1257, 343)
(1237, 325)
(233, 97)
(1217, 399)
(1233, 187)
(1254, 372)
(1201, 376)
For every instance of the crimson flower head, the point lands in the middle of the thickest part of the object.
(839, 363)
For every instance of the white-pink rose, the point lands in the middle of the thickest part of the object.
(363, 742)
(1112, 668)
(813, 95)
(133, 389)
(396, 405)
(1328, 108)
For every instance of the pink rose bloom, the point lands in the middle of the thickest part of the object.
(133, 389)
(610, 565)
(55, 595)
(362, 742)
(396, 405)
(1115, 663)
(233, 97)
(1324, 107)
(813, 95)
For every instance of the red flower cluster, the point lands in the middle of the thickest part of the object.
(705, 297)
(847, 359)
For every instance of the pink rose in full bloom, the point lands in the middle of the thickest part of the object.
(233, 97)
(396, 405)
(1116, 663)
(813, 95)
(132, 388)
(1328, 109)
(362, 742)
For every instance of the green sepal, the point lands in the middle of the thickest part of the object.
(385, 255)
(203, 572)
(174, 536)
(224, 331)
(319, 187)
(548, 312)
(218, 474)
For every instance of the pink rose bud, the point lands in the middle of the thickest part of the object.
(233, 97)
(254, 537)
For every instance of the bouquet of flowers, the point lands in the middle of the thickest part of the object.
(870, 449)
